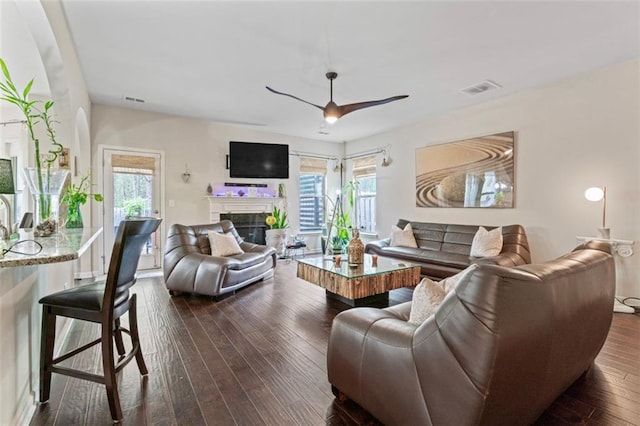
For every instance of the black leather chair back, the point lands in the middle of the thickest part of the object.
(131, 237)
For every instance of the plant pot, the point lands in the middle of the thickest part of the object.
(276, 238)
(74, 216)
(45, 187)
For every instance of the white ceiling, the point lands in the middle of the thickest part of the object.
(213, 59)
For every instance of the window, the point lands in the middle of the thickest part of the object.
(364, 174)
(312, 192)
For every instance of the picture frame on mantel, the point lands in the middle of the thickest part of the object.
(470, 173)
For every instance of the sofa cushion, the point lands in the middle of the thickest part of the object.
(427, 296)
(223, 244)
(486, 243)
(460, 261)
(403, 237)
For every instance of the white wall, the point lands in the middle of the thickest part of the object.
(201, 144)
(571, 135)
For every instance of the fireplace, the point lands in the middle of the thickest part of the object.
(250, 226)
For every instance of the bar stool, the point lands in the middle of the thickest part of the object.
(103, 303)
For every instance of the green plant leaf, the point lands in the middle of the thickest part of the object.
(27, 89)
(5, 70)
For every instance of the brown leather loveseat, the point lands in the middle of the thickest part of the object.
(444, 249)
(502, 346)
(189, 266)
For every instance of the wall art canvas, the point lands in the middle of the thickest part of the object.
(477, 172)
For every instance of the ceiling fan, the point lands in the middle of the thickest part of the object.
(333, 111)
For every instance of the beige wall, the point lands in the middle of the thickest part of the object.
(571, 135)
(201, 144)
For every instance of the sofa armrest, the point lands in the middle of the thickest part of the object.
(376, 247)
(195, 272)
(352, 333)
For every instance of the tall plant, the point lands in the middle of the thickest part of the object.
(34, 112)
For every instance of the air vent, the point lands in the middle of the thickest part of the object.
(130, 99)
(483, 86)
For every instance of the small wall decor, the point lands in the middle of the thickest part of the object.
(477, 172)
(64, 158)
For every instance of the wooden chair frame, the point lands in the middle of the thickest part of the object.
(116, 301)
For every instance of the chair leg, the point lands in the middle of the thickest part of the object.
(47, 343)
(118, 336)
(135, 338)
(109, 369)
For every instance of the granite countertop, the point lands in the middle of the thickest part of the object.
(64, 245)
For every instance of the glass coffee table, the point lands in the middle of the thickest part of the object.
(364, 285)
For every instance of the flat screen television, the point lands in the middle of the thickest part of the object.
(258, 160)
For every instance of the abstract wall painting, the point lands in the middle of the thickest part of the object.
(477, 172)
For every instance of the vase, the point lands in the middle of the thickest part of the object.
(275, 238)
(355, 250)
(45, 186)
(74, 216)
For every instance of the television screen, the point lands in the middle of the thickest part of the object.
(258, 160)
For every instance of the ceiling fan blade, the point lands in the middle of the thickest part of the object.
(346, 109)
(294, 97)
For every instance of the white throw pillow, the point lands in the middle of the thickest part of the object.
(403, 237)
(487, 243)
(223, 244)
(427, 296)
(450, 282)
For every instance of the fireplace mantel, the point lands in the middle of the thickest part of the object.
(218, 205)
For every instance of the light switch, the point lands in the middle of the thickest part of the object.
(172, 203)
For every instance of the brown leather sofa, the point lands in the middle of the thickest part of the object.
(190, 268)
(443, 249)
(502, 346)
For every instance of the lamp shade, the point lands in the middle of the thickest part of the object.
(6, 177)
(594, 194)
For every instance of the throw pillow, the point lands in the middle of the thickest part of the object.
(223, 244)
(487, 243)
(450, 282)
(403, 237)
(427, 296)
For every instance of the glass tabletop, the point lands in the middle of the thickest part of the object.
(385, 265)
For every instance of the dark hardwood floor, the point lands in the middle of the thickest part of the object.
(259, 358)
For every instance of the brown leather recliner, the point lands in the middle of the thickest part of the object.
(502, 346)
(189, 266)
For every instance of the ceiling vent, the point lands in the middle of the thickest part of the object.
(131, 99)
(483, 86)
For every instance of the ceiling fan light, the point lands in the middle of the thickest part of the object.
(330, 118)
(331, 112)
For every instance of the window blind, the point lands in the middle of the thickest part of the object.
(133, 164)
(313, 165)
(364, 166)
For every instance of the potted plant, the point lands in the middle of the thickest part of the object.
(75, 197)
(45, 182)
(276, 235)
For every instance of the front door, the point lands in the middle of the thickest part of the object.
(131, 188)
